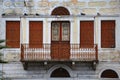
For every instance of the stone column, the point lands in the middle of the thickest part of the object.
(24, 31)
(96, 30)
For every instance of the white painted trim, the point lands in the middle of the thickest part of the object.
(88, 19)
(4, 26)
(99, 26)
(35, 19)
(71, 31)
(49, 31)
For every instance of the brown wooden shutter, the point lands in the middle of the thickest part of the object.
(36, 34)
(108, 34)
(86, 33)
(13, 34)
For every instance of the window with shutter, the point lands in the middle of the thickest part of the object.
(36, 34)
(13, 34)
(86, 34)
(108, 34)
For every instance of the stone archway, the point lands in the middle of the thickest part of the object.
(59, 66)
(60, 72)
(60, 11)
(109, 74)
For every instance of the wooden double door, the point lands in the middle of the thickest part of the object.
(60, 40)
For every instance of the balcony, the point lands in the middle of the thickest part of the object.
(43, 54)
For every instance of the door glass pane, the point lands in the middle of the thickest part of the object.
(65, 31)
(55, 31)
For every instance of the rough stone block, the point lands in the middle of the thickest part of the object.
(12, 57)
(18, 11)
(114, 56)
(72, 5)
(1, 4)
(114, 3)
(75, 11)
(69, 4)
(81, 4)
(43, 4)
(13, 11)
(53, 3)
(1, 0)
(42, 11)
(103, 56)
(90, 11)
(0, 10)
(74, 1)
(108, 10)
(32, 11)
(19, 4)
(8, 11)
(45, 0)
(39, 11)
(7, 3)
(97, 4)
(30, 4)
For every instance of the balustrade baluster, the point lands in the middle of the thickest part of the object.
(76, 52)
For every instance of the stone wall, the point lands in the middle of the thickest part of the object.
(109, 58)
(75, 6)
(38, 71)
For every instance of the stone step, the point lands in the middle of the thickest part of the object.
(15, 76)
(48, 79)
(25, 72)
(59, 79)
(87, 76)
(43, 72)
(86, 72)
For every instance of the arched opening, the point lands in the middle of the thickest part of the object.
(60, 11)
(109, 74)
(60, 72)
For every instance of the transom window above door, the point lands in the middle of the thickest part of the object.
(60, 11)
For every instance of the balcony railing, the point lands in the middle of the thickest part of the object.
(44, 54)
(83, 54)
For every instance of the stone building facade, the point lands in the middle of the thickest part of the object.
(92, 12)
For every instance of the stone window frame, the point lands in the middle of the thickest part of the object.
(99, 19)
(4, 20)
